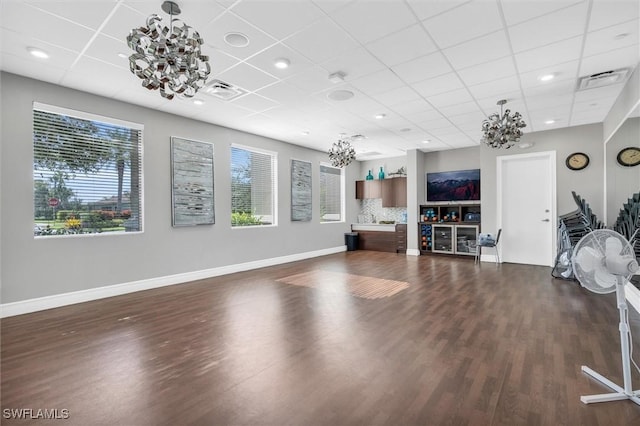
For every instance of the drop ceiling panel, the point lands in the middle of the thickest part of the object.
(597, 93)
(398, 96)
(489, 71)
(89, 14)
(16, 44)
(402, 46)
(551, 89)
(419, 69)
(619, 58)
(196, 13)
(556, 53)
(564, 71)
(214, 33)
(464, 23)
(265, 61)
(460, 109)
(107, 49)
(247, 77)
(426, 10)
(282, 92)
(254, 103)
(607, 13)
(561, 25)
(124, 20)
(519, 11)
(495, 87)
(379, 82)
(354, 64)
(25, 66)
(322, 40)
(382, 18)
(611, 38)
(441, 84)
(411, 108)
(450, 98)
(275, 17)
(479, 50)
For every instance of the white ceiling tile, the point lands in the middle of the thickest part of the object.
(496, 87)
(321, 40)
(581, 118)
(609, 38)
(450, 98)
(551, 28)
(265, 61)
(282, 92)
(195, 13)
(461, 109)
(427, 9)
(354, 64)
(556, 53)
(619, 58)
(411, 108)
(219, 61)
(382, 18)
(520, 11)
(214, 33)
(606, 12)
(83, 77)
(90, 13)
(565, 71)
(247, 77)
(313, 80)
(593, 95)
(123, 21)
(489, 71)
(480, 50)
(400, 95)
(402, 46)
(379, 82)
(330, 6)
(594, 104)
(552, 88)
(419, 69)
(254, 103)
(16, 44)
(489, 105)
(463, 23)
(423, 115)
(437, 85)
(107, 49)
(550, 104)
(275, 17)
(29, 67)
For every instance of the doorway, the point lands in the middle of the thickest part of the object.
(526, 207)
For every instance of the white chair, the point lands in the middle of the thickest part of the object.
(487, 240)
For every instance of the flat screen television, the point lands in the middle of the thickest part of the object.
(459, 185)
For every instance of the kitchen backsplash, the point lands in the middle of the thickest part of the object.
(372, 208)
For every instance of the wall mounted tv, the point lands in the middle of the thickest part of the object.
(460, 185)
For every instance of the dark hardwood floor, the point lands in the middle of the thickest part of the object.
(463, 345)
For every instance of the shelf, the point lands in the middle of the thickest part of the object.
(444, 236)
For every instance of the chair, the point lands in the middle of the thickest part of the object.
(486, 240)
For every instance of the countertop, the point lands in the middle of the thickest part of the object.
(383, 227)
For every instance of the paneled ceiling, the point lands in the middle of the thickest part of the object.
(434, 68)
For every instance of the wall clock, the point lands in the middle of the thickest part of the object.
(577, 161)
(629, 157)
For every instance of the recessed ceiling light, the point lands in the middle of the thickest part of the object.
(198, 102)
(621, 36)
(549, 121)
(38, 53)
(282, 63)
(340, 95)
(236, 39)
(305, 133)
(426, 141)
(123, 55)
(547, 77)
(380, 116)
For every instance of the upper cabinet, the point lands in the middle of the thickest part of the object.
(368, 189)
(392, 191)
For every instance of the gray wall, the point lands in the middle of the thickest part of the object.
(622, 182)
(33, 268)
(389, 165)
(588, 183)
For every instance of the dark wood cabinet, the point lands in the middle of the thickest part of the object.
(394, 192)
(392, 242)
(368, 189)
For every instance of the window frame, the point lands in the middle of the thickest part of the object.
(83, 115)
(274, 189)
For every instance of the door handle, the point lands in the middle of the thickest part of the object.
(545, 220)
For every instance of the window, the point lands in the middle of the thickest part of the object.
(331, 194)
(87, 173)
(253, 187)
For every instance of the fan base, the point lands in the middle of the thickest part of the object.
(606, 397)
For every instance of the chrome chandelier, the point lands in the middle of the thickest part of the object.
(342, 153)
(502, 130)
(168, 58)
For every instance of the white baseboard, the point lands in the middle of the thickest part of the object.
(413, 252)
(488, 258)
(64, 299)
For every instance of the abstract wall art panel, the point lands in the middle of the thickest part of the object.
(191, 183)
(301, 206)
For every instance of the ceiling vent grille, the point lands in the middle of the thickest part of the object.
(224, 91)
(602, 79)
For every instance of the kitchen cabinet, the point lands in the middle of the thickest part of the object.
(368, 189)
(394, 192)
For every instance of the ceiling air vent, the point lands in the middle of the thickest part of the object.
(602, 79)
(224, 91)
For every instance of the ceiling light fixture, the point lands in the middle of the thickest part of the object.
(342, 153)
(547, 77)
(502, 130)
(282, 63)
(426, 141)
(549, 121)
(198, 102)
(380, 116)
(168, 58)
(38, 53)
(340, 95)
(236, 39)
(123, 55)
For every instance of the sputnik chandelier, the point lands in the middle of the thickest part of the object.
(168, 58)
(502, 130)
(342, 153)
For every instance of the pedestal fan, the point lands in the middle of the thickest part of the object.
(603, 261)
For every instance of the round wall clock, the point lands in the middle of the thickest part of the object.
(577, 161)
(629, 157)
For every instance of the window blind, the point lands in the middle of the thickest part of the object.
(87, 175)
(331, 199)
(253, 183)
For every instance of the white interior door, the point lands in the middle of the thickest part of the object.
(527, 208)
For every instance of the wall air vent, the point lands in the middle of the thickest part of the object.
(602, 79)
(222, 90)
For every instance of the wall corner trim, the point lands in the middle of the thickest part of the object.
(64, 299)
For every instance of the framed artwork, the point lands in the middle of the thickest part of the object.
(459, 185)
(301, 205)
(191, 183)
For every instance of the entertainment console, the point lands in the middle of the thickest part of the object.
(449, 228)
